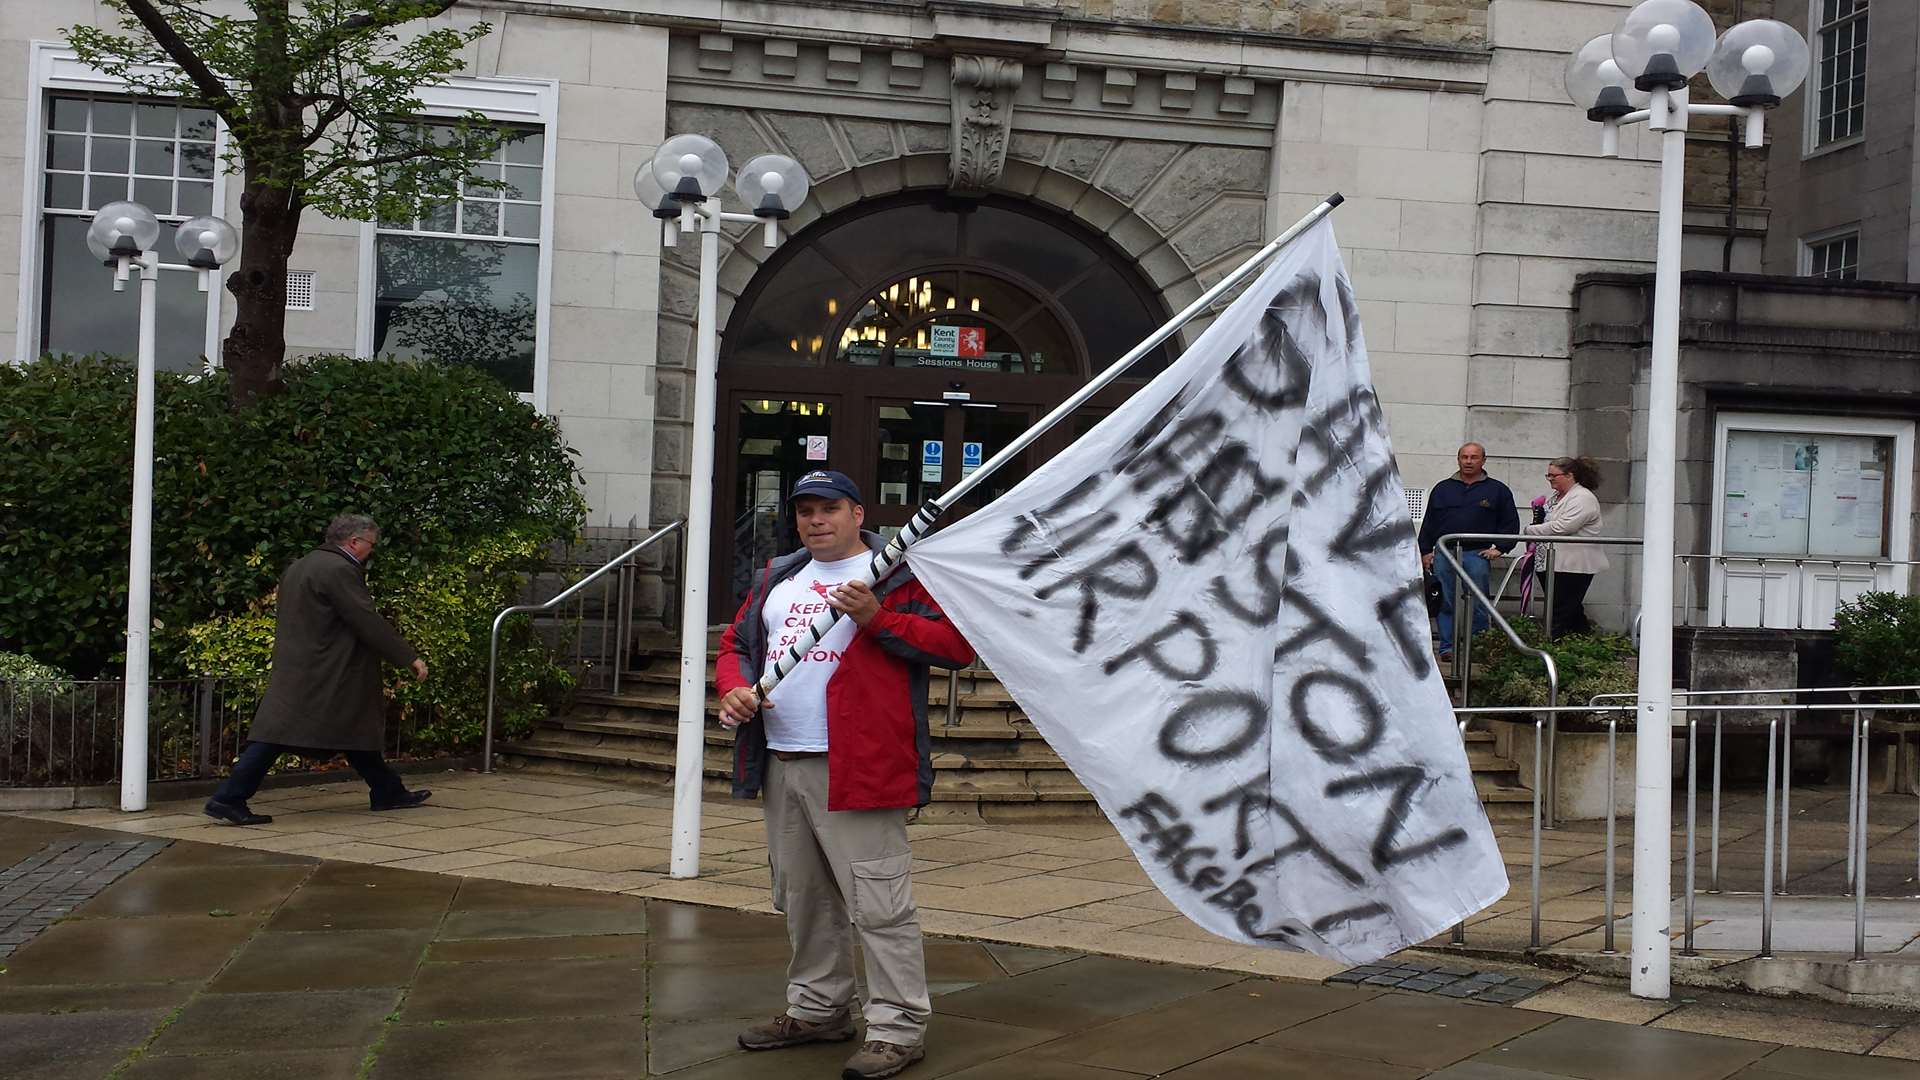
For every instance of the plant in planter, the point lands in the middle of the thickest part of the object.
(1877, 639)
(1588, 664)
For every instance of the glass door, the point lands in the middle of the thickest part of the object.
(923, 448)
(776, 441)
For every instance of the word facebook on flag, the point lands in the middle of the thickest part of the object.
(1211, 608)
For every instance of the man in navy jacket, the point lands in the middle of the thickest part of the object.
(1469, 501)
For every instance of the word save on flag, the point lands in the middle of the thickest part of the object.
(1210, 606)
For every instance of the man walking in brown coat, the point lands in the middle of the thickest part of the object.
(324, 692)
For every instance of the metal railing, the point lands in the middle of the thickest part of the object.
(1796, 571)
(66, 732)
(616, 594)
(1858, 789)
(1468, 592)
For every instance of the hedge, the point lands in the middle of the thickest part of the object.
(443, 457)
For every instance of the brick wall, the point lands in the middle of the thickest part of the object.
(1413, 22)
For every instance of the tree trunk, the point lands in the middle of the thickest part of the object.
(254, 351)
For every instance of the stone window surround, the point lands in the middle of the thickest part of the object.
(526, 102)
(54, 68)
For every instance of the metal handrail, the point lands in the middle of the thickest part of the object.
(1463, 654)
(493, 645)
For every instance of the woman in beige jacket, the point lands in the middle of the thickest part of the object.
(1573, 510)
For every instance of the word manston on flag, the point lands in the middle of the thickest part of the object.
(1210, 606)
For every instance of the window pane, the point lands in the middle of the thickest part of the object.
(197, 124)
(196, 199)
(155, 119)
(65, 192)
(82, 314)
(109, 156)
(528, 149)
(523, 182)
(67, 152)
(438, 218)
(480, 218)
(68, 114)
(483, 181)
(151, 157)
(155, 195)
(196, 160)
(112, 117)
(523, 220)
(458, 302)
(102, 190)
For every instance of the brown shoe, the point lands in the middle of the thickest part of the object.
(879, 1059)
(783, 1031)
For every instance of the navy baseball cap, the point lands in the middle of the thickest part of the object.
(826, 484)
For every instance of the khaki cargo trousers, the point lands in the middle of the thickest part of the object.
(835, 868)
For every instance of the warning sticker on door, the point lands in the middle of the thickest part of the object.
(816, 448)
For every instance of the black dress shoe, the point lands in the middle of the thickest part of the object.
(235, 813)
(410, 799)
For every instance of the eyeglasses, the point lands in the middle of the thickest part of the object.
(1555, 475)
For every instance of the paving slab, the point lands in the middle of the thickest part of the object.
(1080, 993)
(596, 986)
(72, 1044)
(257, 1064)
(169, 949)
(1606, 1051)
(1428, 1032)
(578, 1049)
(243, 1023)
(274, 962)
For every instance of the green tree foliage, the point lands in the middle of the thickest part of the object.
(443, 457)
(320, 99)
(1877, 639)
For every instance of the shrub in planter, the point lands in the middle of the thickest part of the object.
(1877, 639)
(446, 611)
(1588, 664)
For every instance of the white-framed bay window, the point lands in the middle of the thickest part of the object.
(469, 281)
(89, 143)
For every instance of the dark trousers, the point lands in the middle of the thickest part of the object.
(1569, 599)
(383, 783)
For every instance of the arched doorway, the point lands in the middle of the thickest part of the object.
(903, 341)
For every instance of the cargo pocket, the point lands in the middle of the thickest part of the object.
(882, 895)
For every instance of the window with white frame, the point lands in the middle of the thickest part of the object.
(1836, 256)
(99, 148)
(461, 283)
(1840, 70)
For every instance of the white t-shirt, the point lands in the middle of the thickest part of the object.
(798, 720)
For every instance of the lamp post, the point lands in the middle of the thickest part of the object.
(122, 236)
(1640, 72)
(682, 185)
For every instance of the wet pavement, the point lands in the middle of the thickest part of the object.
(224, 961)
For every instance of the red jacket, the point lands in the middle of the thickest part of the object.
(878, 750)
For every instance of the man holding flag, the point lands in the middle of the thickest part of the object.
(840, 747)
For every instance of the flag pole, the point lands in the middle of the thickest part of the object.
(922, 522)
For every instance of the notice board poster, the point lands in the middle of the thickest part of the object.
(1802, 493)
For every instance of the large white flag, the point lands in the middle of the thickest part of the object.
(1210, 606)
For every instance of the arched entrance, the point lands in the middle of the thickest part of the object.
(903, 341)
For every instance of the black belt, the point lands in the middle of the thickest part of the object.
(796, 755)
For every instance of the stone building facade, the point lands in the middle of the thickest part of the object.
(1163, 140)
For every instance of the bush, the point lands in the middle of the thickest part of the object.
(1588, 664)
(446, 611)
(1877, 639)
(443, 457)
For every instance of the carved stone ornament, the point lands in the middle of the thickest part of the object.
(983, 89)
